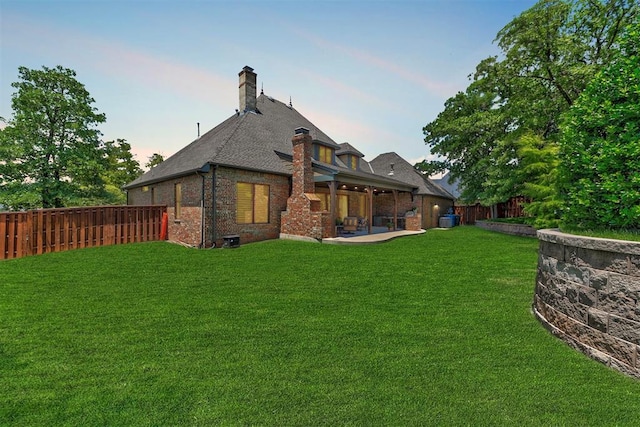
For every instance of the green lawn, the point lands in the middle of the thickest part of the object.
(433, 329)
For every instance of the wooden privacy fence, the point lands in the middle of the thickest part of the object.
(469, 214)
(54, 230)
(512, 208)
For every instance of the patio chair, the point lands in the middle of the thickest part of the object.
(362, 224)
(350, 224)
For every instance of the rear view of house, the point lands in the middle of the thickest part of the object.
(267, 172)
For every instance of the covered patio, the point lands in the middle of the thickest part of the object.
(379, 203)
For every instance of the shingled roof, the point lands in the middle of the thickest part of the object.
(244, 140)
(405, 172)
(346, 148)
(257, 140)
(453, 188)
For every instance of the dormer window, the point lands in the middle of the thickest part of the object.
(350, 156)
(324, 154)
(353, 162)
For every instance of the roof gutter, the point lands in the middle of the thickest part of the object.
(204, 169)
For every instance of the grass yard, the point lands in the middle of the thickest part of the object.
(425, 330)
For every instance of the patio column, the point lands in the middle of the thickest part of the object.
(370, 209)
(332, 204)
(395, 209)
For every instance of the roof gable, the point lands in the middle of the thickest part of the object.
(346, 148)
(244, 140)
(405, 172)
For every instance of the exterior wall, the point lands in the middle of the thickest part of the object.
(354, 201)
(433, 208)
(383, 203)
(587, 294)
(187, 228)
(226, 198)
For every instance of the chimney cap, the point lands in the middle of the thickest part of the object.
(302, 131)
(247, 68)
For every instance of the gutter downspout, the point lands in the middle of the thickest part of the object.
(214, 211)
(202, 216)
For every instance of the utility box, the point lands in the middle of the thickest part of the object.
(231, 241)
(446, 222)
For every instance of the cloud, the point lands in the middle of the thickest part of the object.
(113, 59)
(440, 89)
(343, 88)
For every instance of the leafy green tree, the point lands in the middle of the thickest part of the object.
(154, 160)
(51, 148)
(122, 169)
(538, 170)
(600, 147)
(549, 54)
(464, 134)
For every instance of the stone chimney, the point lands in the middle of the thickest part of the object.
(247, 89)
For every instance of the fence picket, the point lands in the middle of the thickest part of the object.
(4, 219)
(54, 230)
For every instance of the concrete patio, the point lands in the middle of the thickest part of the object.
(379, 235)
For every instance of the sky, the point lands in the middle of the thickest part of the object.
(370, 73)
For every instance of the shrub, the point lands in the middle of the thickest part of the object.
(600, 147)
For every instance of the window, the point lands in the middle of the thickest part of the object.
(325, 154)
(177, 189)
(353, 162)
(325, 201)
(252, 203)
(343, 205)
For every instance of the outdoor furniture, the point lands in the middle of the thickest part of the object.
(362, 224)
(350, 224)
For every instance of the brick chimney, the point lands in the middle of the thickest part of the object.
(303, 216)
(302, 169)
(247, 89)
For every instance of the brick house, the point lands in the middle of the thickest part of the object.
(267, 172)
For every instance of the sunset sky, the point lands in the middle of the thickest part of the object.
(371, 73)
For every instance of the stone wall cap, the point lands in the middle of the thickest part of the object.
(593, 243)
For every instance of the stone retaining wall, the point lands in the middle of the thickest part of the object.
(587, 293)
(507, 228)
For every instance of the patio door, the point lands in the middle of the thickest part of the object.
(343, 206)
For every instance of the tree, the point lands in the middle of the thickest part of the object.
(466, 131)
(550, 53)
(154, 160)
(51, 148)
(538, 171)
(600, 147)
(122, 169)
